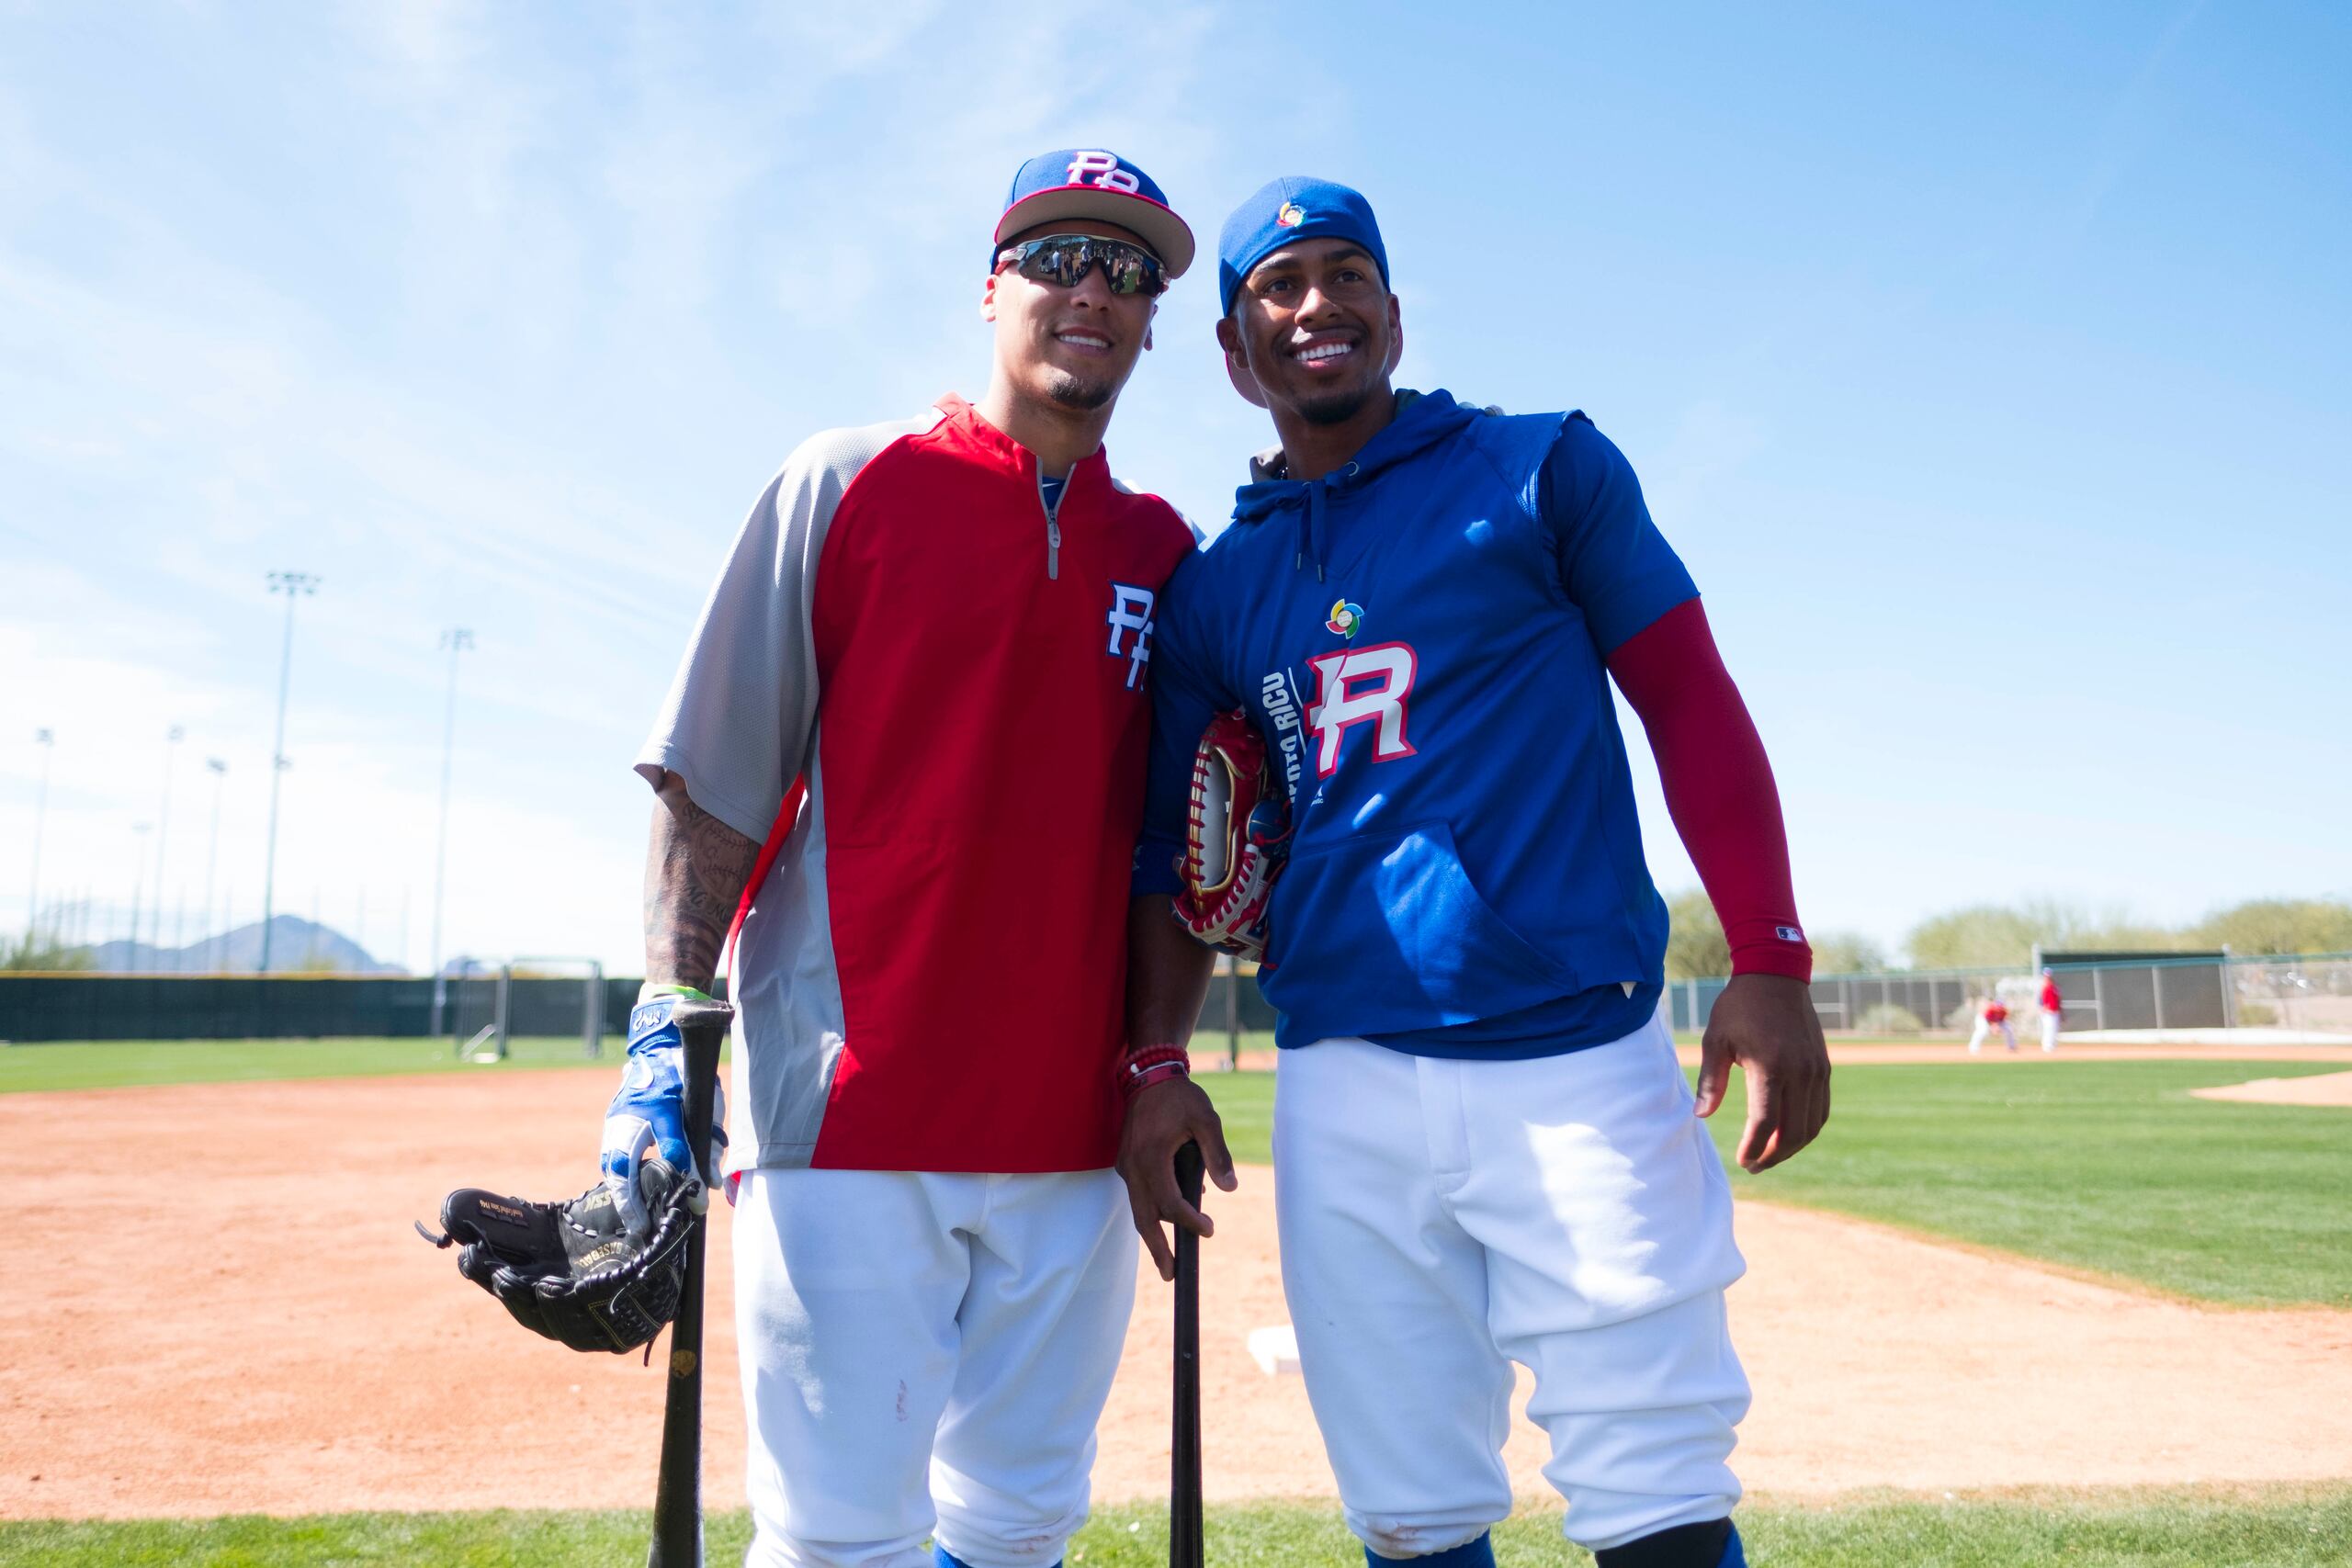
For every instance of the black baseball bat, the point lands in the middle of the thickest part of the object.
(677, 1499)
(1184, 1549)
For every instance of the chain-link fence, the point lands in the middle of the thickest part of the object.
(488, 1001)
(2304, 991)
(1912, 1002)
(2309, 993)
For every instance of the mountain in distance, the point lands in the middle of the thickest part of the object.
(297, 946)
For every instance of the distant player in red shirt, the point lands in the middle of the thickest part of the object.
(1993, 1015)
(2053, 1006)
(921, 677)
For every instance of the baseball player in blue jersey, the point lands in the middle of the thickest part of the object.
(1485, 1150)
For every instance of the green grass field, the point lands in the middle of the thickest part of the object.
(2109, 1167)
(2286, 1528)
(118, 1064)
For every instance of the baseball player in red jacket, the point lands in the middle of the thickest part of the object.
(919, 678)
(1993, 1015)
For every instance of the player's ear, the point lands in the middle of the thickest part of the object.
(1236, 361)
(988, 298)
(1147, 325)
(1396, 334)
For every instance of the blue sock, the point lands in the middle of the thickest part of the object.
(943, 1558)
(1479, 1553)
(1733, 1556)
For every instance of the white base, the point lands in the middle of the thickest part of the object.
(1275, 1348)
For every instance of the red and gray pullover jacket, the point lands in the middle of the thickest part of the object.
(929, 696)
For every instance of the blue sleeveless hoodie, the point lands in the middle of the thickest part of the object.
(1420, 637)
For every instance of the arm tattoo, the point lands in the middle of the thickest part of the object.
(696, 867)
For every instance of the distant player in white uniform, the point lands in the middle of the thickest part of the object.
(920, 679)
(1485, 1150)
(1994, 1014)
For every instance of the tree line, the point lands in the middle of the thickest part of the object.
(1984, 936)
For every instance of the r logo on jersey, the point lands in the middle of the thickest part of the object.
(1362, 685)
(1102, 169)
(1130, 611)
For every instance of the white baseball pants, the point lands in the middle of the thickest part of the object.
(926, 1353)
(1442, 1220)
(1984, 1032)
(2050, 1032)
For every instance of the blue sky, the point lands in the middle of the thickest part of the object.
(1986, 364)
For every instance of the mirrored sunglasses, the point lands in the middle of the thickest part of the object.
(1064, 260)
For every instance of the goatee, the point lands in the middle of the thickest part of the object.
(1333, 408)
(1070, 392)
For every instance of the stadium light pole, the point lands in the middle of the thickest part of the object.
(138, 831)
(293, 584)
(172, 738)
(219, 768)
(454, 641)
(47, 741)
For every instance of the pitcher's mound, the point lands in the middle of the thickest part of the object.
(2327, 1088)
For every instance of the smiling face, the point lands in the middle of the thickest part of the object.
(1072, 348)
(1315, 329)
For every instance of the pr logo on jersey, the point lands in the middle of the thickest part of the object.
(1130, 611)
(1346, 619)
(1102, 169)
(1362, 685)
(1290, 216)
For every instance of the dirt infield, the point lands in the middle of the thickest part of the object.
(219, 1307)
(2325, 1089)
(1210, 1057)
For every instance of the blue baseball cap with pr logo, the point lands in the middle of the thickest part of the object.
(1079, 182)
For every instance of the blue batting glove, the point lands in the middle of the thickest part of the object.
(646, 1119)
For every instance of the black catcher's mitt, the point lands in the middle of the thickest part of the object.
(571, 1271)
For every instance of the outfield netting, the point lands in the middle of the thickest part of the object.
(487, 1008)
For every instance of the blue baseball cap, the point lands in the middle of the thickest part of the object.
(1078, 182)
(1294, 208)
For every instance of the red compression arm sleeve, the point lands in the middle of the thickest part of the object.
(1718, 785)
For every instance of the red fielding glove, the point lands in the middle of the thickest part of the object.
(1236, 842)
